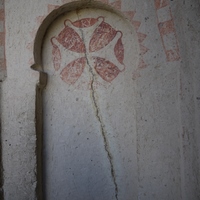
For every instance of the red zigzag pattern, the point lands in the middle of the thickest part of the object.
(129, 14)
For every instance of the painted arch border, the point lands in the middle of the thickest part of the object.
(37, 49)
(38, 66)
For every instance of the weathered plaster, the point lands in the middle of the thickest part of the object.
(166, 99)
(97, 111)
(188, 31)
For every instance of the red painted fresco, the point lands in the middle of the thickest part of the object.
(2, 38)
(161, 3)
(2, 15)
(84, 23)
(142, 64)
(141, 37)
(143, 49)
(103, 34)
(173, 55)
(107, 70)
(73, 70)
(116, 4)
(56, 55)
(87, 22)
(119, 50)
(166, 27)
(136, 24)
(167, 31)
(40, 19)
(71, 40)
(129, 14)
(52, 7)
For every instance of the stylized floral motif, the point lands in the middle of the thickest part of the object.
(56, 56)
(73, 70)
(101, 37)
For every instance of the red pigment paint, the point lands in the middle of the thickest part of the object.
(101, 37)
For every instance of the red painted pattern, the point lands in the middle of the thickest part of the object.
(161, 3)
(166, 27)
(173, 54)
(56, 55)
(167, 31)
(103, 34)
(52, 7)
(107, 70)
(87, 22)
(73, 70)
(83, 23)
(119, 50)
(2, 15)
(116, 4)
(71, 40)
(141, 37)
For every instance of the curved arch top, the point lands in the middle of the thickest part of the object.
(89, 51)
(68, 7)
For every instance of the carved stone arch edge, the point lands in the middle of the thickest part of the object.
(42, 82)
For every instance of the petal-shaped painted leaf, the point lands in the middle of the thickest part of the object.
(56, 57)
(119, 51)
(73, 70)
(101, 37)
(71, 40)
(107, 70)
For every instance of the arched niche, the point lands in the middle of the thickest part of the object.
(85, 112)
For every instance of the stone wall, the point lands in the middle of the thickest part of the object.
(118, 116)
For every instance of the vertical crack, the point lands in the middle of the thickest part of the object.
(103, 131)
(99, 117)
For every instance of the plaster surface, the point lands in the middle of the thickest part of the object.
(150, 115)
(89, 107)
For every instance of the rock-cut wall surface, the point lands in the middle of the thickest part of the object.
(118, 115)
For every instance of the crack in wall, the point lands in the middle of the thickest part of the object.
(99, 117)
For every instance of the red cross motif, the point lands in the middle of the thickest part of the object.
(101, 48)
